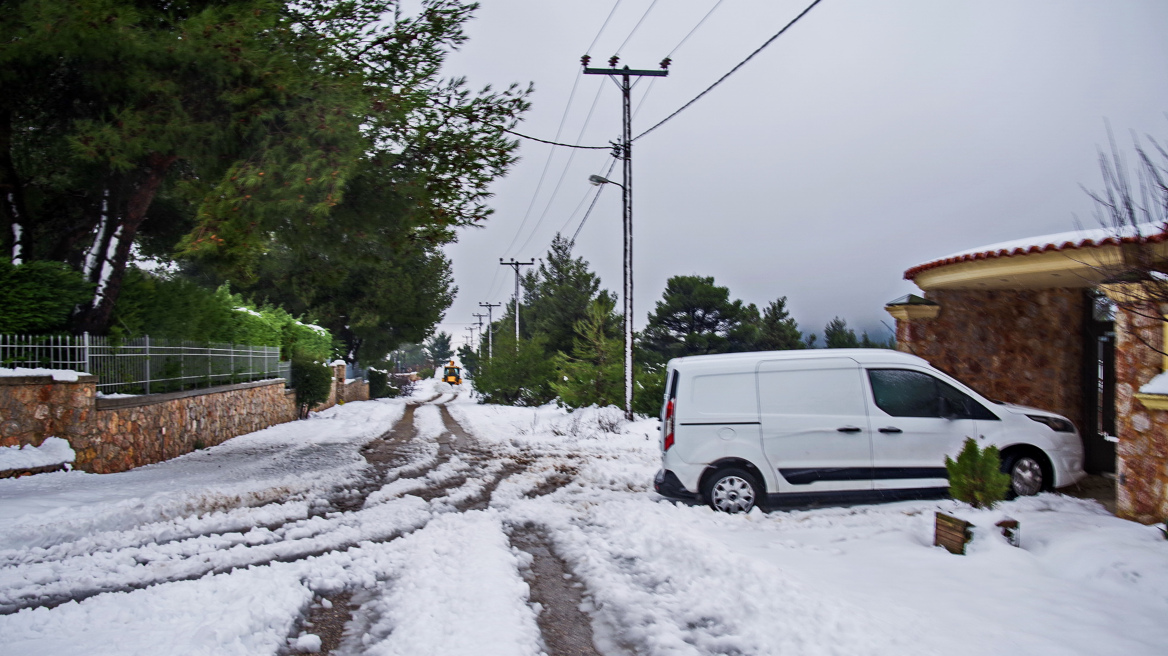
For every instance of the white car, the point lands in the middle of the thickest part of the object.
(744, 429)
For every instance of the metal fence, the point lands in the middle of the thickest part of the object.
(145, 365)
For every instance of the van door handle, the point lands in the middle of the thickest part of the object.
(849, 429)
(890, 429)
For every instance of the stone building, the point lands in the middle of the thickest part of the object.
(1035, 322)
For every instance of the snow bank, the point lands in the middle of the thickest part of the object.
(53, 451)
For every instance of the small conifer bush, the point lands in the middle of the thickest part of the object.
(976, 476)
(312, 381)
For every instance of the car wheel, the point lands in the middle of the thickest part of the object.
(1027, 475)
(732, 490)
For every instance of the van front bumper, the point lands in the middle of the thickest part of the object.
(667, 484)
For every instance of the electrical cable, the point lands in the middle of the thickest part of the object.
(653, 81)
(564, 172)
(630, 36)
(556, 143)
(732, 71)
(604, 25)
(579, 206)
(695, 28)
(494, 279)
(594, 199)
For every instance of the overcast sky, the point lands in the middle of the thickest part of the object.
(871, 137)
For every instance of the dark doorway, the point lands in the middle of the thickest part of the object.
(1098, 430)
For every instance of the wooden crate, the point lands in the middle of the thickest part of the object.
(952, 533)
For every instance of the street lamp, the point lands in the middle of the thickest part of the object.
(597, 180)
(628, 285)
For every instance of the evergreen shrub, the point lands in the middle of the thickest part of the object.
(517, 376)
(976, 476)
(38, 297)
(379, 387)
(312, 380)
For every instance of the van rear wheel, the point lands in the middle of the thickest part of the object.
(732, 490)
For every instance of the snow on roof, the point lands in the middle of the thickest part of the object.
(249, 311)
(862, 355)
(1151, 232)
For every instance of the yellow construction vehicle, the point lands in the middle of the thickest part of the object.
(452, 374)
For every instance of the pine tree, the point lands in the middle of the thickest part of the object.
(976, 476)
(594, 373)
(836, 334)
(557, 295)
(243, 127)
(780, 332)
(695, 316)
(438, 350)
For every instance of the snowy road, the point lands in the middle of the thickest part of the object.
(439, 526)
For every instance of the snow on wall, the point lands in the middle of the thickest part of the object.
(53, 451)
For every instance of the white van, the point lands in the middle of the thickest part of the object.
(740, 429)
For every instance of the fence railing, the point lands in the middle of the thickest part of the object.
(145, 365)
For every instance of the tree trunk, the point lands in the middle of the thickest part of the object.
(96, 319)
(11, 197)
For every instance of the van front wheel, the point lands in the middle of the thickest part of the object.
(732, 490)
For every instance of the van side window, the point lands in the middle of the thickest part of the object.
(962, 405)
(811, 392)
(903, 393)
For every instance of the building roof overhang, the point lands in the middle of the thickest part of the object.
(1071, 259)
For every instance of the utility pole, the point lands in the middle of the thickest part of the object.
(514, 264)
(479, 346)
(471, 337)
(490, 328)
(625, 151)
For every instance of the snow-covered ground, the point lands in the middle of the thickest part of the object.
(224, 551)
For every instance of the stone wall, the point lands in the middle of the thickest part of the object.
(1142, 452)
(35, 407)
(112, 435)
(136, 431)
(356, 390)
(1020, 346)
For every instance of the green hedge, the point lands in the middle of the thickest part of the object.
(38, 297)
(178, 308)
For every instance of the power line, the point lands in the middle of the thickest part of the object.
(564, 173)
(555, 140)
(652, 82)
(604, 25)
(643, 17)
(732, 71)
(556, 143)
(695, 28)
(594, 199)
(579, 206)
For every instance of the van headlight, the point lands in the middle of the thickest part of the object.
(1056, 424)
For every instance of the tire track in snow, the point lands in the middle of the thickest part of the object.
(217, 552)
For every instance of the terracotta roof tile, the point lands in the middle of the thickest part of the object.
(1149, 233)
